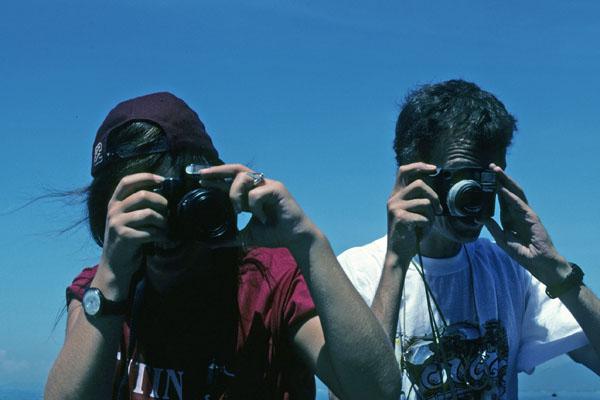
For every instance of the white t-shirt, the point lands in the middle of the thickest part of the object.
(500, 321)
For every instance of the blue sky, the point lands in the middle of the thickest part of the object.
(305, 91)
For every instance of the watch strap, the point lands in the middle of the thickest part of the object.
(109, 307)
(575, 278)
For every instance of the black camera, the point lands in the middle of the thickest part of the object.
(196, 212)
(465, 192)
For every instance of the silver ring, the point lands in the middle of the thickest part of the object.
(257, 177)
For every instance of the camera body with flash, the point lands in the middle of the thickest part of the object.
(466, 191)
(195, 212)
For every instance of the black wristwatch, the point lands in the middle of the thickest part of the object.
(575, 278)
(95, 304)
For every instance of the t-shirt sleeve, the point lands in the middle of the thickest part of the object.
(363, 271)
(80, 284)
(548, 330)
(281, 288)
(298, 306)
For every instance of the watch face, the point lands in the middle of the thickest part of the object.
(91, 301)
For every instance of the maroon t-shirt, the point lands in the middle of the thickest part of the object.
(181, 347)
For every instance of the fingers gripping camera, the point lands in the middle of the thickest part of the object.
(465, 192)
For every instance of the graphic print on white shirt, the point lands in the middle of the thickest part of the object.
(465, 364)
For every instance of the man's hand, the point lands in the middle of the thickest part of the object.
(412, 206)
(522, 234)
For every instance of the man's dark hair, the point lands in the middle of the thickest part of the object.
(453, 109)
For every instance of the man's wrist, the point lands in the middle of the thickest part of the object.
(572, 280)
(394, 260)
(553, 272)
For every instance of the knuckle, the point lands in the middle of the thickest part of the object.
(142, 195)
(111, 211)
(126, 180)
(235, 195)
(111, 227)
(146, 194)
(420, 183)
(240, 167)
(399, 213)
(113, 218)
(110, 221)
(150, 213)
(253, 196)
(394, 202)
(243, 180)
(278, 186)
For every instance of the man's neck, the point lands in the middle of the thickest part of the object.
(434, 245)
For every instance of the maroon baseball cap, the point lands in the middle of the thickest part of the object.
(181, 125)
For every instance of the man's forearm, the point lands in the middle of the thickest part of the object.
(585, 307)
(359, 352)
(583, 304)
(386, 302)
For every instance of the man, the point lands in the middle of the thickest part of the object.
(466, 315)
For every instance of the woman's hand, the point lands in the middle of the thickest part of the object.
(277, 220)
(135, 216)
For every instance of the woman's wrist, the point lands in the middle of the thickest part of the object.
(114, 287)
(305, 237)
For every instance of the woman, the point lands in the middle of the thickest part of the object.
(175, 311)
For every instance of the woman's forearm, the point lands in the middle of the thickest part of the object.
(85, 366)
(361, 357)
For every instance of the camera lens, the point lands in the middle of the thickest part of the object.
(205, 214)
(465, 198)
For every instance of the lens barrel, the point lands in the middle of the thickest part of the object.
(465, 198)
